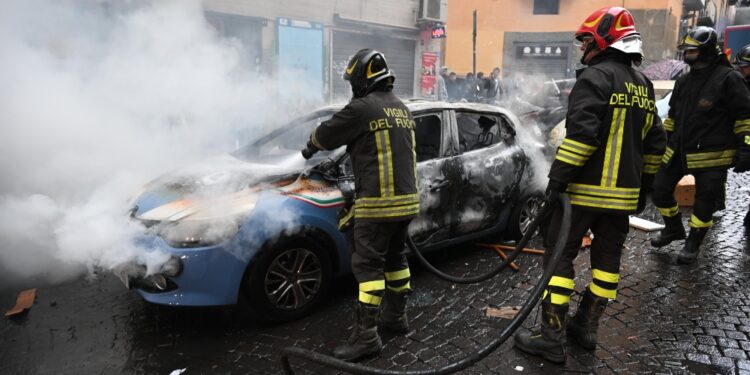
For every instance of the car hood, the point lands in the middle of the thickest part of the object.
(216, 187)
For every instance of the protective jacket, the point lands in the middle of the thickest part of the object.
(613, 136)
(709, 117)
(378, 131)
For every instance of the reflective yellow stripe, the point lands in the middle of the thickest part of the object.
(562, 282)
(601, 292)
(614, 148)
(669, 125)
(369, 286)
(345, 219)
(669, 211)
(600, 202)
(565, 159)
(398, 275)
(314, 140)
(667, 155)
(647, 126)
(710, 155)
(697, 223)
(572, 156)
(741, 126)
(383, 212)
(605, 276)
(557, 299)
(397, 200)
(369, 299)
(611, 192)
(650, 168)
(724, 162)
(401, 288)
(385, 162)
(578, 147)
(651, 158)
(414, 155)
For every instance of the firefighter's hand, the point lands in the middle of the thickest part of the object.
(309, 150)
(554, 190)
(742, 164)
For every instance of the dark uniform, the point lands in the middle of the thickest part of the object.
(614, 141)
(612, 148)
(378, 131)
(709, 118)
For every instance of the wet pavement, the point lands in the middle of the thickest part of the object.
(667, 319)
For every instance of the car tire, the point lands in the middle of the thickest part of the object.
(523, 214)
(288, 280)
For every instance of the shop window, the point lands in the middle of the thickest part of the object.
(546, 6)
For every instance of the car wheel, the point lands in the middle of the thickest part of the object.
(523, 214)
(288, 280)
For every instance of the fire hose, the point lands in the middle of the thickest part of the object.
(488, 348)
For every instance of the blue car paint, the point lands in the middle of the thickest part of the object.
(212, 275)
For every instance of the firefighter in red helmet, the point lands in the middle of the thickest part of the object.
(606, 163)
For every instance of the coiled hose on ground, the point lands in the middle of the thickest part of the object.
(488, 348)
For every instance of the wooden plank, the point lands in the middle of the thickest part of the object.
(24, 301)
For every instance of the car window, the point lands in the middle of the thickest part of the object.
(428, 135)
(477, 131)
(292, 136)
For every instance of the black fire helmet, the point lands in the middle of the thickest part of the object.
(365, 70)
(705, 40)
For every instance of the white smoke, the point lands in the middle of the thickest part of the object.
(98, 98)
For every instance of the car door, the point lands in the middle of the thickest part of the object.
(489, 167)
(436, 189)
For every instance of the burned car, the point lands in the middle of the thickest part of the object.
(258, 227)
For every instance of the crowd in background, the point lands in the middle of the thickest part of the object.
(475, 89)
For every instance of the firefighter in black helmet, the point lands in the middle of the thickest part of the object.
(742, 64)
(614, 141)
(709, 132)
(378, 131)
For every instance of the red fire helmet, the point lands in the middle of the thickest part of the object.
(612, 27)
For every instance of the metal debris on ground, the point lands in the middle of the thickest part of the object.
(178, 371)
(24, 302)
(508, 312)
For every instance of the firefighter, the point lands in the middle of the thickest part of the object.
(742, 64)
(611, 151)
(378, 131)
(709, 131)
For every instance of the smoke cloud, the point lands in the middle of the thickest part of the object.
(98, 98)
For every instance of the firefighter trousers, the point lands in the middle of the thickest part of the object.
(379, 259)
(610, 231)
(709, 187)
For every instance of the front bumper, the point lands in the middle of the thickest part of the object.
(210, 276)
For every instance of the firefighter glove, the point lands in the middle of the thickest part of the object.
(309, 150)
(742, 162)
(554, 190)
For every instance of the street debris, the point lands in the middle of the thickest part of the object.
(24, 301)
(508, 312)
(518, 368)
(645, 225)
(178, 371)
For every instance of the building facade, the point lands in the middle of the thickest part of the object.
(312, 40)
(535, 37)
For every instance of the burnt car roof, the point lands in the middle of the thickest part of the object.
(419, 105)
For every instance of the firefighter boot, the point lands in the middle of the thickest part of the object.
(584, 325)
(393, 316)
(364, 340)
(692, 246)
(549, 340)
(673, 230)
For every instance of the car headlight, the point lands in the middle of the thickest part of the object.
(198, 233)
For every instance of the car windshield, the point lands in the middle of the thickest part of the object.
(288, 138)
